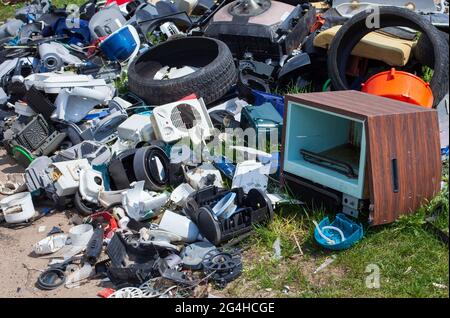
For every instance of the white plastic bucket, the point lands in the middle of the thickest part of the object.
(18, 207)
(81, 234)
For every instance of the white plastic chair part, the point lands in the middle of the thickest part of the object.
(91, 183)
(179, 225)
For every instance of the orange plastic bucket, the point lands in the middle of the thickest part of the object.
(401, 86)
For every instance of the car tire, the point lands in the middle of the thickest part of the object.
(355, 29)
(214, 77)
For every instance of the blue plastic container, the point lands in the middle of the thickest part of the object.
(263, 97)
(121, 44)
(352, 231)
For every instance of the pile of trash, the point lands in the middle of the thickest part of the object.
(162, 123)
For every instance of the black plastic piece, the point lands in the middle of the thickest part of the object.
(224, 265)
(94, 247)
(52, 278)
(39, 103)
(252, 208)
(130, 265)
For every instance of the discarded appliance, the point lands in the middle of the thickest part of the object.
(350, 162)
(250, 209)
(37, 138)
(106, 21)
(130, 265)
(66, 176)
(402, 86)
(340, 234)
(266, 122)
(186, 118)
(136, 128)
(122, 45)
(17, 208)
(54, 56)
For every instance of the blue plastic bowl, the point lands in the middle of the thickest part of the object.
(353, 232)
(120, 45)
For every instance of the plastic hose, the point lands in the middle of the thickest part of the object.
(329, 241)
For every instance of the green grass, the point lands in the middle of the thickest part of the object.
(410, 259)
(7, 11)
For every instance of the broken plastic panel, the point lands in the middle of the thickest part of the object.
(251, 175)
(136, 128)
(179, 225)
(66, 176)
(90, 184)
(73, 104)
(204, 175)
(142, 205)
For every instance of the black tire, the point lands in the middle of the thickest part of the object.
(355, 29)
(84, 208)
(215, 76)
(423, 50)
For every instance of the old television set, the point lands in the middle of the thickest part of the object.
(356, 153)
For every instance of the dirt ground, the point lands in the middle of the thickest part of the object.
(16, 253)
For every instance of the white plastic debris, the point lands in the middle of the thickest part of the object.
(180, 193)
(18, 207)
(81, 234)
(179, 225)
(136, 128)
(90, 185)
(204, 175)
(73, 279)
(171, 124)
(66, 176)
(277, 249)
(251, 174)
(140, 204)
(327, 262)
(50, 244)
